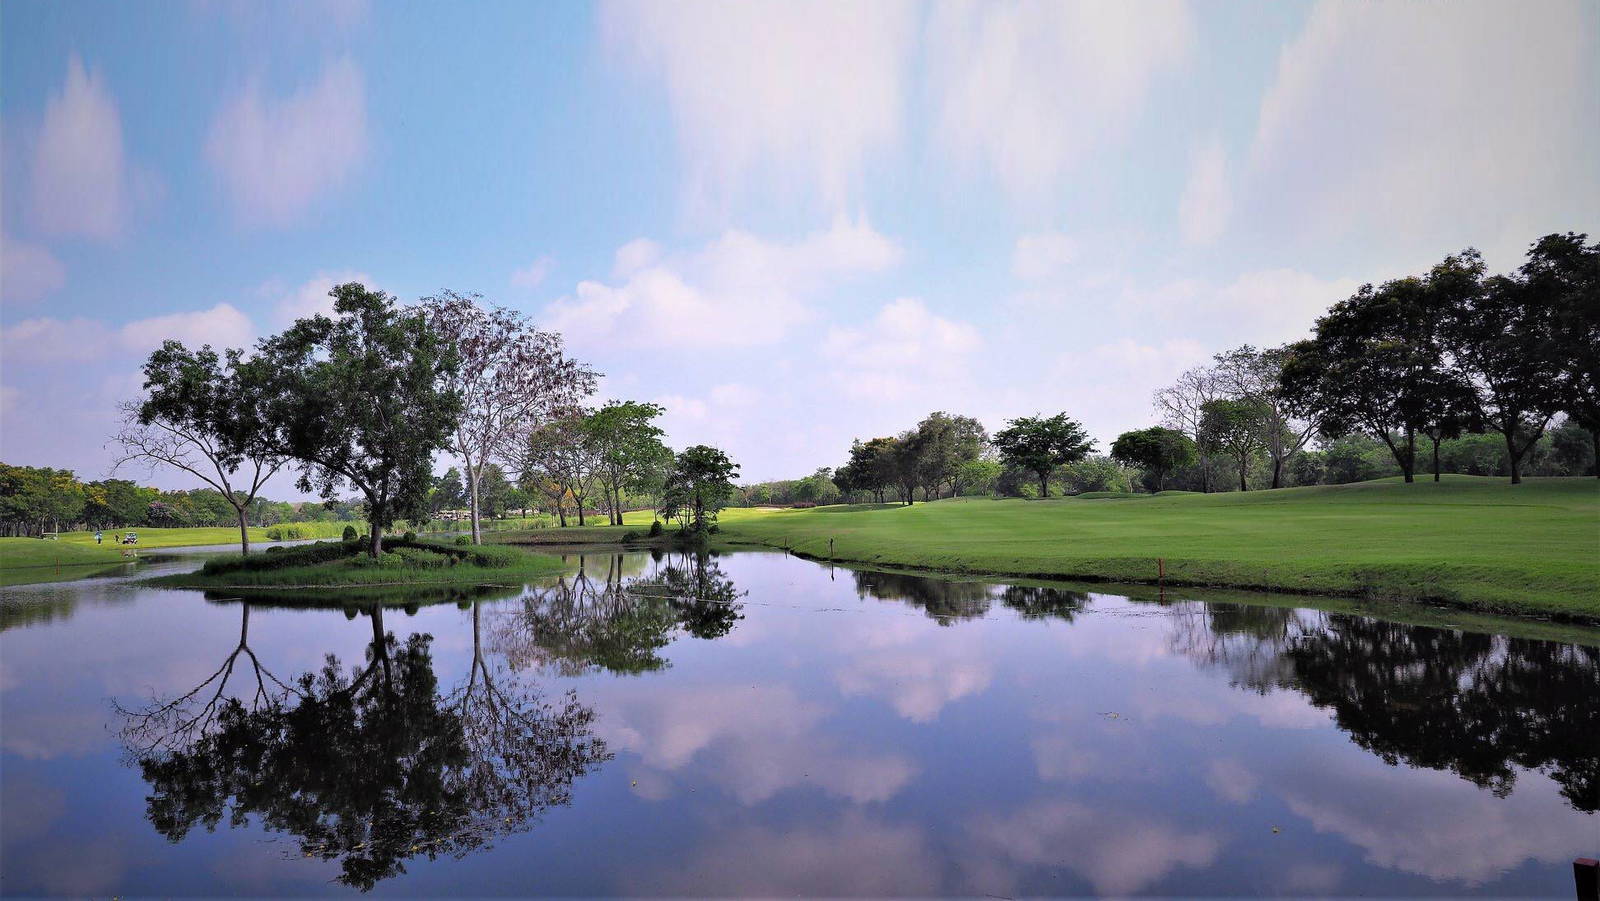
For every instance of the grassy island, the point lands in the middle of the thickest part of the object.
(343, 565)
(1470, 542)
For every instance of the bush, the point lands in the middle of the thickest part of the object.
(714, 529)
(275, 549)
(655, 528)
(629, 536)
(350, 533)
(409, 536)
(385, 560)
(463, 540)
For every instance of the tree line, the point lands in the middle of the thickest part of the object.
(35, 500)
(1448, 359)
(365, 399)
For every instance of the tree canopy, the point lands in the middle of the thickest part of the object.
(1041, 443)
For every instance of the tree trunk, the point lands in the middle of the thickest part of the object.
(375, 546)
(472, 502)
(580, 512)
(1514, 459)
(1244, 467)
(244, 532)
(380, 645)
(1205, 472)
(1435, 459)
(1410, 464)
(561, 511)
(1595, 435)
(1277, 472)
(1044, 484)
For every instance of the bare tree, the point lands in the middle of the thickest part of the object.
(1182, 407)
(512, 376)
(1253, 375)
(198, 419)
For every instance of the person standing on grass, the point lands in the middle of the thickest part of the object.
(96, 536)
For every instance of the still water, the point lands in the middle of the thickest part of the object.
(755, 724)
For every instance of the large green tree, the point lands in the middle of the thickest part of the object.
(1234, 428)
(1564, 272)
(627, 449)
(201, 416)
(363, 398)
(701, 484)
(1157, 450)
(1041, 443)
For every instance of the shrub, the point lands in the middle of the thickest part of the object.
(655, 528)
(714, 529)
(629, 536)
(409, 536)
(463, 540)
(275, 549)
(350, 533)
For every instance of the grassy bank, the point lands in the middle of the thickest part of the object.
(336, 565)
(27, 560)
(1475, 543)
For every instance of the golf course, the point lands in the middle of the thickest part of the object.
(1471, 542)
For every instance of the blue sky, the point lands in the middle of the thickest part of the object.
(791, 224)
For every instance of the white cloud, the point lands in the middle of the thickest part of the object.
(77, 340)
(1207, 201)
(800, 96)
(533, 275)
(634, 256)
(277, 156)
(740, 290)
(28, 272)
(79, 175)
(1433, 125)
(1042, 256)
(1030, 89)
(1118, 852)
(312, 298)
(905, 350)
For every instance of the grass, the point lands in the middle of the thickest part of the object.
(1474, 543)
(335, 565)
(28, 560)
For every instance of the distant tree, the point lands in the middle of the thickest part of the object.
(906, 464)
(364, 398)
(1040, 444)
(1503, 331)
(978, 476)
(1376, 364)
(1234, 428)
(817, 488)
(511, 378)
(32, 498)
(1564, 272)
(1157, 450)
(494, 491)
(1246, 373)
(627, 449)
(870, 469)
(700, 485)
(560, 460)
(447, 493)
(1096, 473)
(945, 444)
(200, 417)
(1182, 406)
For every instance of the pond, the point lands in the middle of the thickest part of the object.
(757, 724)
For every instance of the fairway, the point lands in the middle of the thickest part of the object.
(1478, 543)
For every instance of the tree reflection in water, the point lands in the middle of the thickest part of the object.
(949, 602)
(1471, 703)
(370, 767)
(607, 622)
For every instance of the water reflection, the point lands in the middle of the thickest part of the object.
(605, 618)
(368, 767)
(949, 602)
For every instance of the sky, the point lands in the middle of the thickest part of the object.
(790, 224)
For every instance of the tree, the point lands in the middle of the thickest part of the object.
(1182, 406)
(945, 443)
(200, 417)
(1156, 450)
(559, 459)
(1503, 332)
(494, 491)
(1234, 428)
(1376, 363)
(34, 497)
(1564, 272)
(700, 484)
(1249, 374)
(365, 398)
(1040, 444)
(511, 377)
(447, 493)
(627, 448)
(871, 467)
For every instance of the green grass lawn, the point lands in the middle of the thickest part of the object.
(332, 565)
(27, 560)
(1478, 543)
